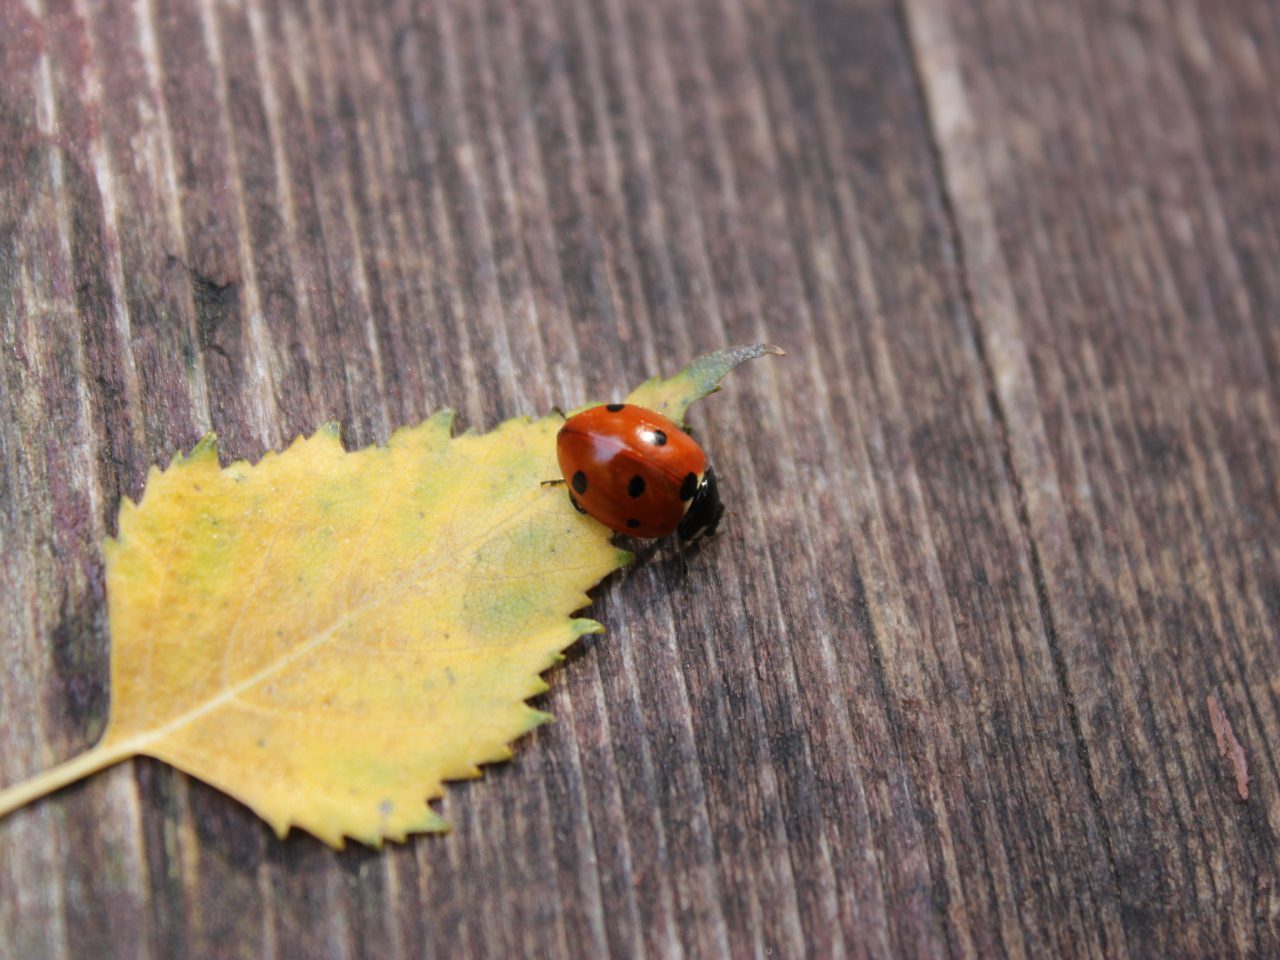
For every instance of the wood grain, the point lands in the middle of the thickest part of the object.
(1134, 366)
(1004, 519)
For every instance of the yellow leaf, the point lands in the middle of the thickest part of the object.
(328, 636)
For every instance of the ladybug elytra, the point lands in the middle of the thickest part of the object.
(638, 473)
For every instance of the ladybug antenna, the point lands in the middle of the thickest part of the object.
(557, 410)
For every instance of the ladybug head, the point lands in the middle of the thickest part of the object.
(705, 510)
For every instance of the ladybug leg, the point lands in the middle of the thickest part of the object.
(684, 568)
(555, 483)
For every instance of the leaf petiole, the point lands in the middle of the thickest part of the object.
(91, 761)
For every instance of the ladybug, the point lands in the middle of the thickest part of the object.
(638, 473)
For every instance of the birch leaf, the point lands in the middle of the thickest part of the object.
(328, 636)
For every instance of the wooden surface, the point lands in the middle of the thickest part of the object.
(1004, 521)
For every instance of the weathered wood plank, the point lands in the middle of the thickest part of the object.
(924, 687)
(1104, 166)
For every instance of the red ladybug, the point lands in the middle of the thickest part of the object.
(638, 473)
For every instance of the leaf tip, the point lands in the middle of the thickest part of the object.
(431, 822)
(582, 626)
(206, 449)
(439, 424)
(441, 420)
(697, 380)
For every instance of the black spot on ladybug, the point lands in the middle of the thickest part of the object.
(615, 407)
(580, 482)
(688, 488)
(636, 487)
(659, 438)
(633, 523)
(575, 504)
